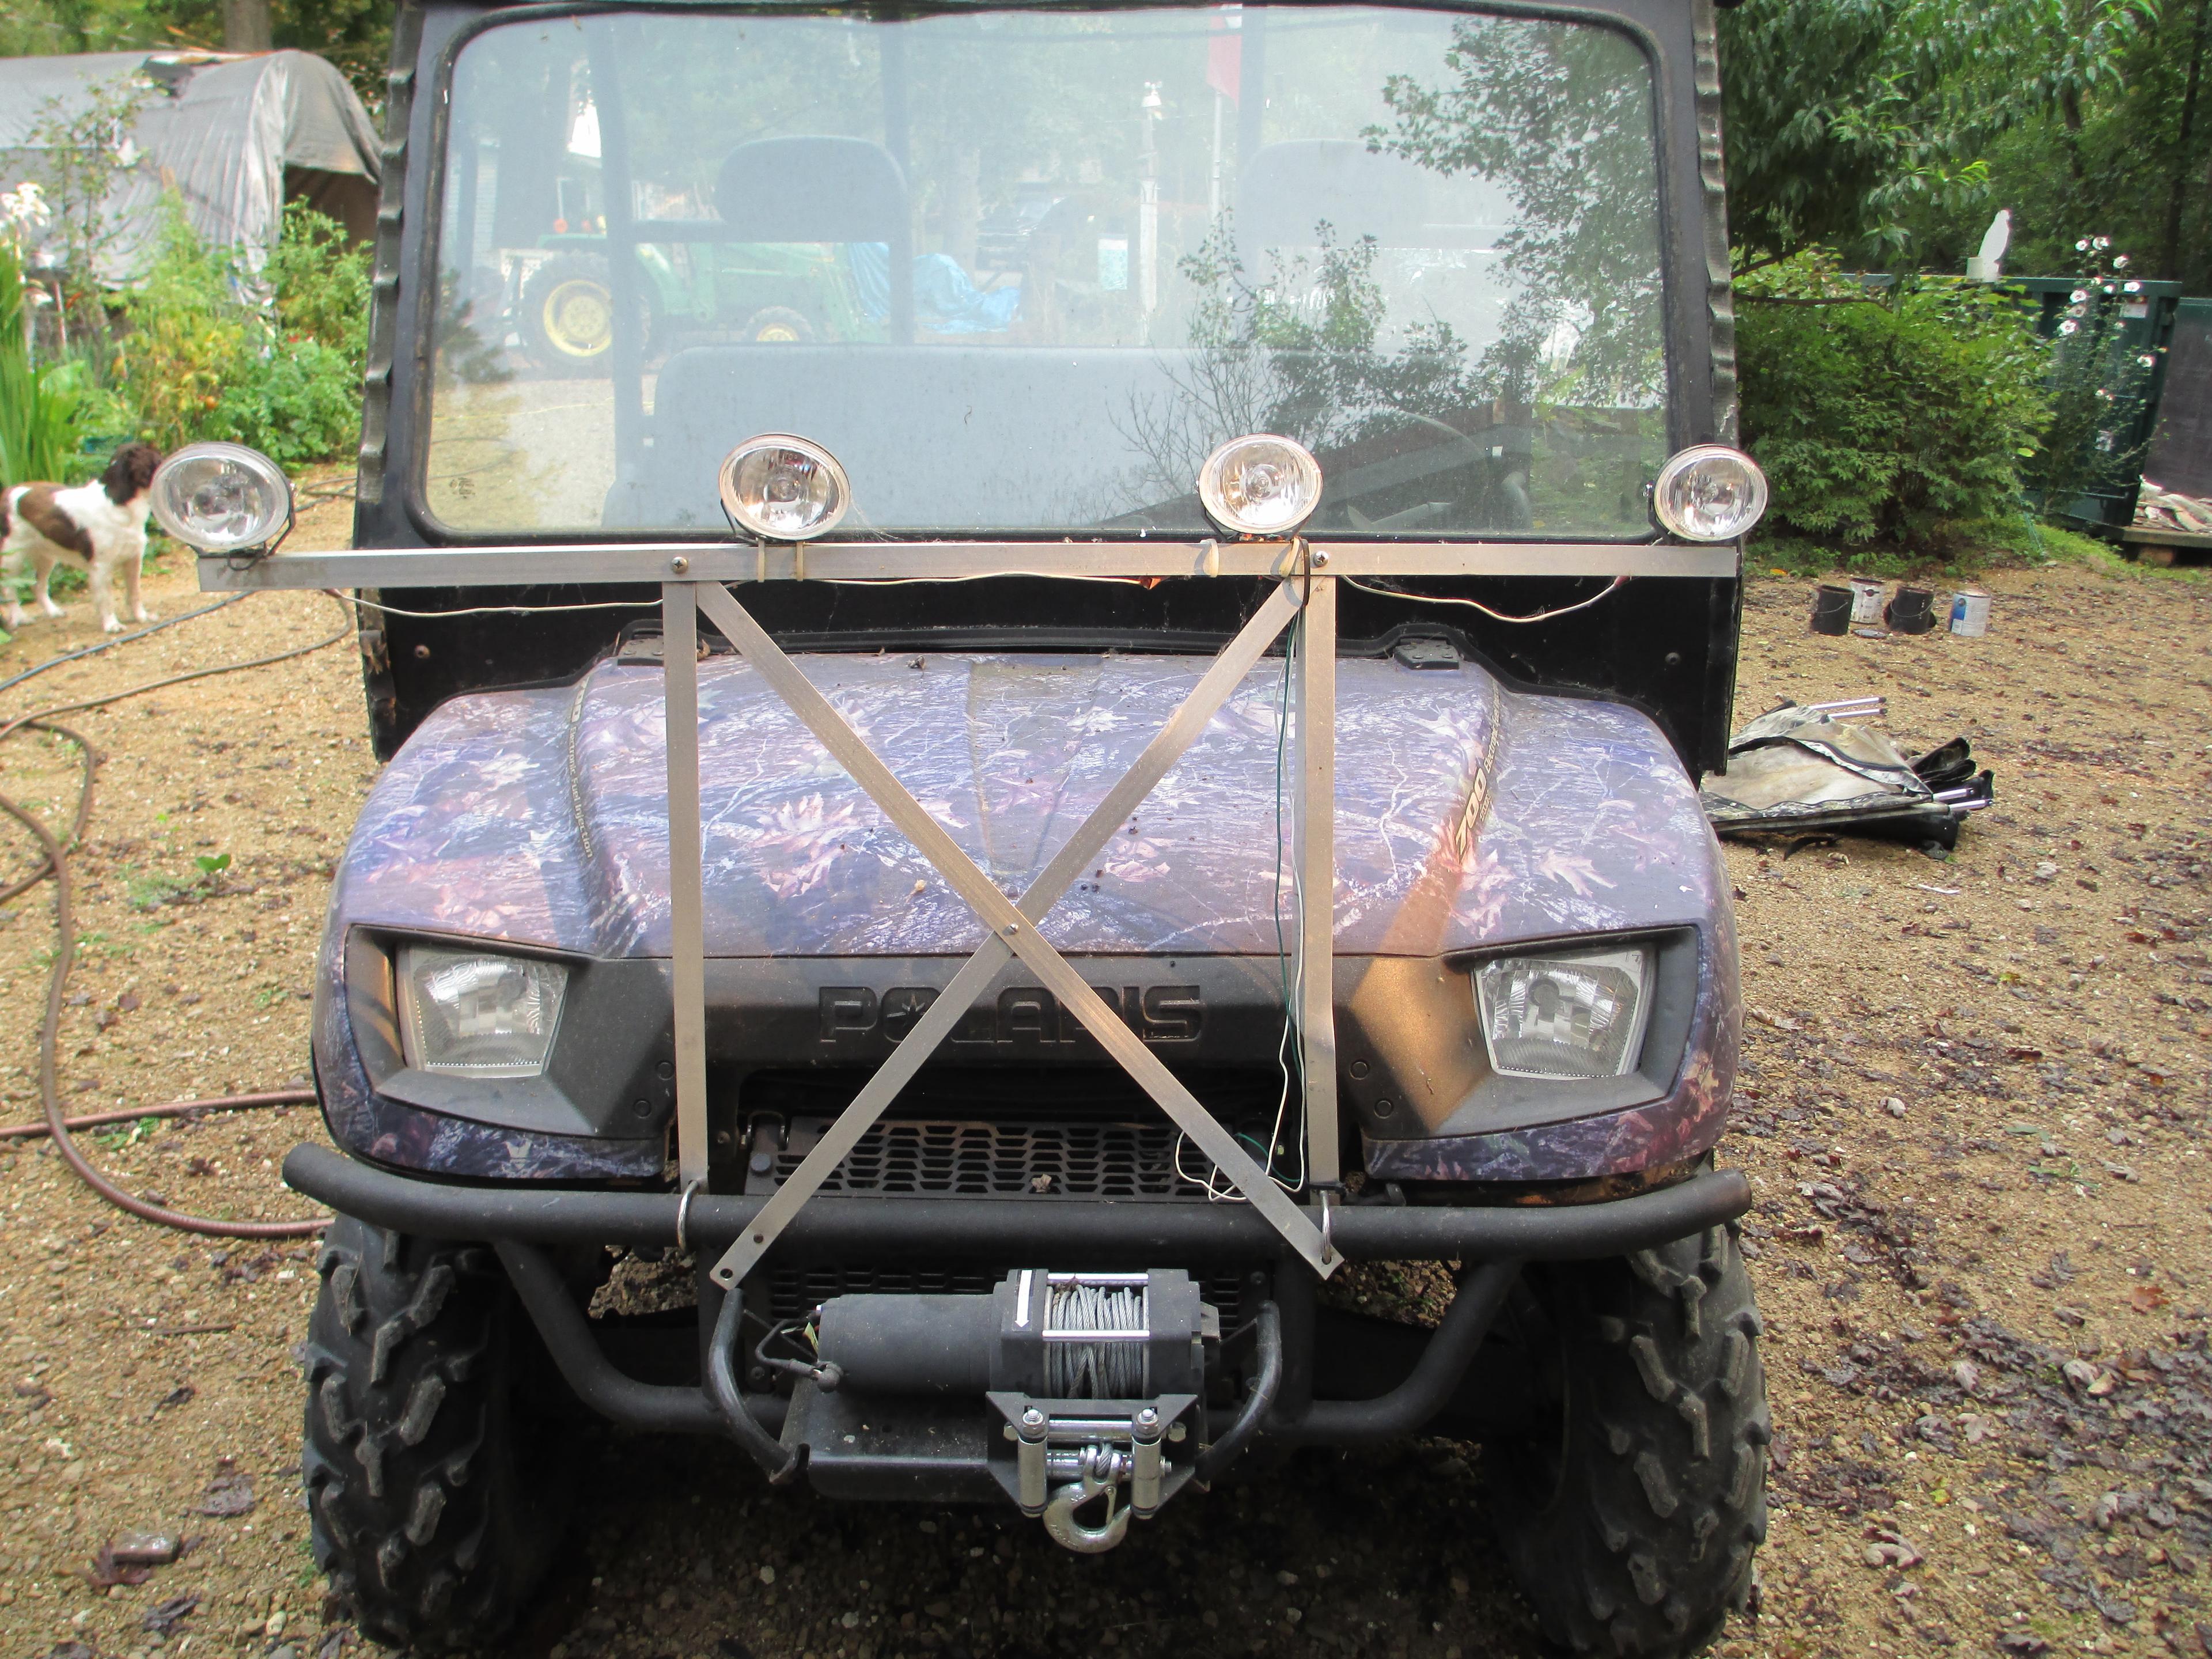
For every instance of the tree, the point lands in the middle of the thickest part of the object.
(1856, 125)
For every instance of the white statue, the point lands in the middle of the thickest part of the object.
(1989, 264)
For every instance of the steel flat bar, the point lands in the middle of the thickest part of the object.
(636, 563)
(679, 625)
(1168, 745)
(999, 913)
(1316, 854)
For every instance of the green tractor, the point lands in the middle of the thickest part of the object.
(765, 293)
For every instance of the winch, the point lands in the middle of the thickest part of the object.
(1095, 1380)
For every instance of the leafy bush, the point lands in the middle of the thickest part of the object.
(203, 359)
(1902, 419)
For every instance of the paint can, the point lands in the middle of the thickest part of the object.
(1912, 611)
(1866, 599)
(1970, 612)
(1831, 609)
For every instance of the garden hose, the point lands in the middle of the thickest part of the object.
(56, 865)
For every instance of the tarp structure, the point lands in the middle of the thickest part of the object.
(236, 136)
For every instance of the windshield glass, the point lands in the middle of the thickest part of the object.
(1020, 271)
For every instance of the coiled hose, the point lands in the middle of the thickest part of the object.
(55, 868)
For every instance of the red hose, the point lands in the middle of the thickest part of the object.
(55, 1125)
(170, 1108)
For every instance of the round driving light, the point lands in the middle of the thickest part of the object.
(1261, 485)
(222, 498)
(784, 489)
(1709, 493)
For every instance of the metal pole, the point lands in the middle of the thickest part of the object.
(1316, 855)
(679, 655)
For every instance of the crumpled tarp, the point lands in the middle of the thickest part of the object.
(224, 131)
(1822, 770)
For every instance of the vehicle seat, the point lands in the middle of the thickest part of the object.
(821, 188)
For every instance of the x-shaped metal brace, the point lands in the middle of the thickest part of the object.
(1013, 926)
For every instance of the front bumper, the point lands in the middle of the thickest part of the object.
(1111, 1231)
(943, 1451)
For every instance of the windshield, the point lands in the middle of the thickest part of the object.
(1021, 271)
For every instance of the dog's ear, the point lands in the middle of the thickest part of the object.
(130, 470)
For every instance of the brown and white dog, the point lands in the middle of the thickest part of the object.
(100, 527)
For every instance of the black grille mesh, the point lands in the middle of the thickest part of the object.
(1080, 1159)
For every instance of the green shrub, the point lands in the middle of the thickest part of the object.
(39, 402)
(1902, 421)
(203, 359)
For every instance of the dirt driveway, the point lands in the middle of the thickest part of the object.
(1974, 1112)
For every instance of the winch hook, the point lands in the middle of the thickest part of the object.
(1070, 1534)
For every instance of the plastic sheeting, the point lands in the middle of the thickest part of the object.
(1822, 771)
(235, 137)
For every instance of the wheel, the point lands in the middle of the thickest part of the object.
(778, 325)
(1631, 1513)
(569, 314)
(430, 1516)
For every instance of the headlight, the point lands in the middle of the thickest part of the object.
(784, 489)
(1709, 493)
(1262, 485)
(1564, 1017)
(482, 1016)
(222, 498)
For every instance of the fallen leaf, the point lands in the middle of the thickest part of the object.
(106, 1572)
(163, 1617)
(2147, 1298)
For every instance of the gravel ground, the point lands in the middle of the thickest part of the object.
(1974, 1113)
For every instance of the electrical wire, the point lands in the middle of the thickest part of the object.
(1617, 583)
(57, 866)
(1216, 1192)
(500, 610)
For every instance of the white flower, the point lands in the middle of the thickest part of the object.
(26, 204)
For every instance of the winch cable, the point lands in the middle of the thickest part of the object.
(56, 868)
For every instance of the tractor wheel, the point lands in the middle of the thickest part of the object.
(778, 325)
(568, 315)
(1632, 1513)
(433, 1507)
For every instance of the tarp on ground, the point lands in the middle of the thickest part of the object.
(235, 135)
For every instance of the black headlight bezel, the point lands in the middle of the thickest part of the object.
(610, 1073)
(1416, 1066)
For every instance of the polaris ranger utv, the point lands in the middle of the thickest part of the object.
(1186, 783)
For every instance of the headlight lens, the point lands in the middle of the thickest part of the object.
(1261, 485)
(784, 489)
(1709, 493)
(222, 498)
(483, 1016)
(1564, 1017)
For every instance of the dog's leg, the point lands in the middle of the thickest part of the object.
(131, 564)
(44, 561)
(101, 580)
(11, 566)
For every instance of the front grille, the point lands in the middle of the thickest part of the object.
(1006, 1160)
(1000, 1134)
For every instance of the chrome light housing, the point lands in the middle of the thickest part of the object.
(784, 489)
(1572, 1014)
(1709, 493)
(477, 1014)
(222, 498)
(1261, 485)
